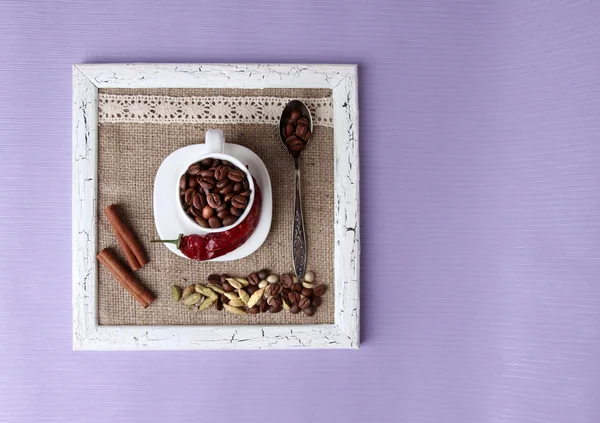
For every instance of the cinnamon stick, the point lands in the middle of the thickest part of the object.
(125, 278)
(126, 238)
(131, 258)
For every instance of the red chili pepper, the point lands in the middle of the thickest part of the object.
(198, 247)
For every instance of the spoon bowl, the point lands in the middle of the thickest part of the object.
(294, 105)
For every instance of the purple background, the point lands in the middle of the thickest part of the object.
(479, 166)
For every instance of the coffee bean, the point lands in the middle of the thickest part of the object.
(195, 212)
(221, 208)
(295, 115)
(253, 279)
(236, 175)
(236, 212)
(183, 182)
(214, 222)
(290, 139)
(215, 163)
(246, 193)
(245, 184)
(207, 182)
(229, 220)
(307, 136)
(223, 183)
(285, 292)
(297, 287)
(189, 196)
(214, 278)
(226, 190)
(309, 311)
(296, 145)
(286, 281)
(194, 169)
(208, 172)
(317, 301)
(304, 303)
(274, 309)
(201, 221)
(221, 173)
(305, 291)
(262, 274)
(213, 200)
(224, 277)
(196, 201)
(301, 131)
(227, 286)
(239, 202)
(237, 187)
(229, 196)
(302, 122)
(294, 297)
(264, 307)
(274, 301)
(253, 310)
(288, 130)
(206, 162)
(223, 214)
(251, 289)
(193, 181)
(219, 304)
(274, 289)
(319, 290)
(224, 299)
(205, 191)
(208, 212)
(294, 309)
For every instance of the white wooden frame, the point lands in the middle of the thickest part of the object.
(87, 79)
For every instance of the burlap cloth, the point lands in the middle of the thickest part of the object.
(129, 157)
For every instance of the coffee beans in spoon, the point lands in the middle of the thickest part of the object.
(214, 193)
(296, 132)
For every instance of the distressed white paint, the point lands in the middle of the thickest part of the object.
(87, 334)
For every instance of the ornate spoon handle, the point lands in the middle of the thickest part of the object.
(298, 234)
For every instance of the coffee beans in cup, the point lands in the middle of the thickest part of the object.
(214, 193)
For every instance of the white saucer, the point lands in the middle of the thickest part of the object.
(170, 222)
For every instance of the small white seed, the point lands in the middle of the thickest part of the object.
(295, 279)
(263, 284)
(272, 278)
(307, 285)
(309, 276)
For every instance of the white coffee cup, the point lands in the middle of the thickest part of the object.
(215, 146)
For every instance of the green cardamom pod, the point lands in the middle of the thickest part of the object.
(189, 290)
(255, 298)
(192, 299)
(207, 303)
(176, 292)
(233, 310)
(243, 296)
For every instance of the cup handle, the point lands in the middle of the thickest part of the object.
(214, 141)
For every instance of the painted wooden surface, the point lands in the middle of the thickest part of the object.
(479, 212)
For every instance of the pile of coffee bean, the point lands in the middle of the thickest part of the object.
(296, 132)
(214, 193)
(260, 292)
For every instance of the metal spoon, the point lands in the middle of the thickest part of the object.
(298, 235)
